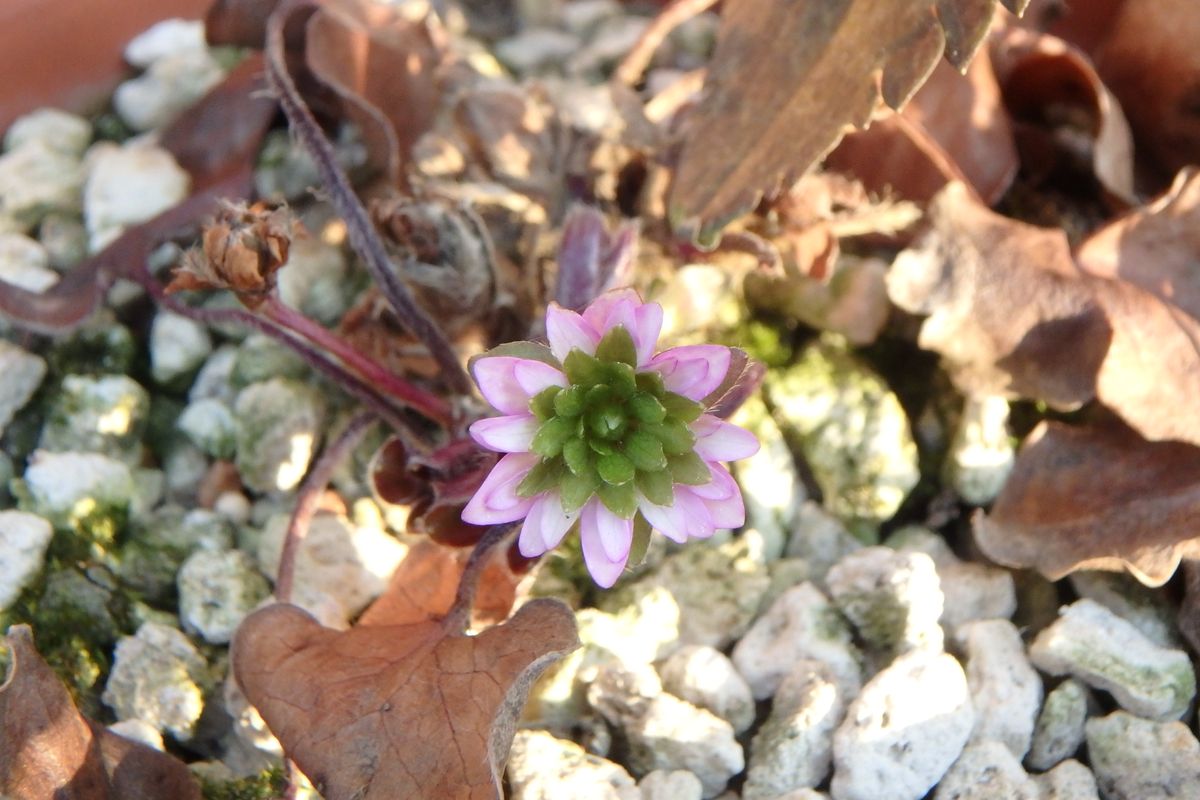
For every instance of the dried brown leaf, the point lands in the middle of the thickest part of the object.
(1097, 497)
(419, 710)
(1156, 247)
(381, 63)
(786, 80)
(48, 751)
(1011, 312)
(955, 128)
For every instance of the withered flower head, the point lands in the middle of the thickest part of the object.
(240, 250)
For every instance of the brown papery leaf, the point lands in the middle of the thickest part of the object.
(786, 80)
(1097, 497)
(48, 750)
(955, 128)
(386, 711)
(1010, 312)
(1156, 247)
(381, 63)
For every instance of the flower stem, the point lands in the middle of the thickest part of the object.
(460, 613)
(375, 373)
(309, 497)
(363, 236)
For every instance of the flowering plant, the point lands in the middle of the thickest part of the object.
(601, 434)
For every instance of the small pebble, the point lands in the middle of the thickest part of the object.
(1109, 653)
(675, 785)
(127, 185)
(164, 39)
(1138, 759)
(1058, 733)
(1070, 780)
(159, 677)
(23, 373)
(543, 767)
(23, 542)
(1005, 689)
(217, 589)
(705, 677)
(987, 770)
(56, 129)
(178, 346)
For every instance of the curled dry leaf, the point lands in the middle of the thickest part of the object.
(1097, 497)
(48, 750)
(1061, 107)
(591, 260)
(241, 250)
(1156, 247)
(417, 710)
(787, 78)
(955, 128)
(1010, 312)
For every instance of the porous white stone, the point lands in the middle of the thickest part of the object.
(674, 785)
(35, 180)
(1148, 610)
(279, 425)
(158, 677)
(23, 373)
(127, 185)
(64, 486)
(672, 734)
(24, 263)
(178, 346)
(217, 589)
(852, 429)
(164, 39)
(893, 599)
(987, 770)
(1005, 689)
(1059, 729)
(1107, 652)
(981, 453)
(169, 86)
(718, 587)
(801, 624)
(65, 240)
(23, 541)
(771, 486)
(314, 280)
(820, 539)
(543, 767)
(210, 425)
(1138, 759)
(348, 563)
(97, 414)
(214, 381)
(705, 677)
(52, 127)
(1070, 780)
(138, 731)
(904, 730)
(794, 747)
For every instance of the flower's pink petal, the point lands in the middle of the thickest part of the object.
(512, 434)
(497, 500)
(648, 319)
(614, 533)
(721, 487)
(555, 521)
(693, 370)
(599, 309)
(667, 520)
(729, 512)
(567, 330)
(718, 440)
(604, 569)
(534, 376)
(530, 543)
(695, 513)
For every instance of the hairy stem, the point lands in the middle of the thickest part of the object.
(375, 373)
(309, 497)
(362, 234)
(460, 613)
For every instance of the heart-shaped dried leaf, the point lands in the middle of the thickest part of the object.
(48, 750)
(1010, 312)
(1096, 498)
(387, 711)
(789, 76)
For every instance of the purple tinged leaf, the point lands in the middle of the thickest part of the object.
(590, 259)
(742, 380)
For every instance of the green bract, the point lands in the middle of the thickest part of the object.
(613, 432)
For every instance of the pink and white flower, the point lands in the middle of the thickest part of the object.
(630, 424)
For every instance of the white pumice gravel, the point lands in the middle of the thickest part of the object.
(128, 184)
(543, 767)
(1005, 689)
(1139, 759)
(23, 541)
(987, 770)
(794, 747)
(1109, 653)
(159, 677)
(705, 677)
(1058, 733)
(802, 623)
(904, 730)
(23, 373)
(1070, 780)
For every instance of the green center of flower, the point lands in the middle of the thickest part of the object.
(613, 432)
